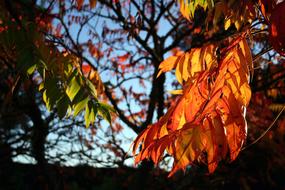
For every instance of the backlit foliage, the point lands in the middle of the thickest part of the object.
(207, 121)
(66, 84)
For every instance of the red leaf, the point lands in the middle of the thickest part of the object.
(86, 68)
(123, 58)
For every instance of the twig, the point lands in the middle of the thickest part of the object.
(264, 133)
(261, 53)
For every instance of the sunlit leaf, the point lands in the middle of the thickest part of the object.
(209, 117)
(188, 7)
(188, 64)
(104, 111)
(80, 106)
(73, 88)
(227, 24)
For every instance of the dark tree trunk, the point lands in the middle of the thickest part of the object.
(40, 128)
(38, 138)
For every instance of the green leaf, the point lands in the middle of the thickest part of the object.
(86, 117)
(68, 69)
(108, 107)
(52, 91)
(81, 94)
(80, 106)
(72, 89)
(104, 111)
(90, 113)
(31, 69)
(93, 112)
(69, 111)
(72, 75)
(91, 87)
(62, 106)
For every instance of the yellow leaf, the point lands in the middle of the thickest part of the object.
(189, 63)
(227, 23)
(176, 92)
(169, 63)
(185, 74)
(178, 71)
(184, 8)
(247, 54)
(195, 62)
(237, 24)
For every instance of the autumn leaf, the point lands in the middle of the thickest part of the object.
(266, 7)
(188, 64)
(79, 4)
(169, 63)
(86, 69)
(208, 120)
(187, 8)
(220, 10)
(123, 58)
(245, 14)
(92, 3)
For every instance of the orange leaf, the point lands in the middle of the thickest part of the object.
(209, 117)
(79, 4)
(92, 3)
(86, 68)
(123, 58)
(169, 63)
(190, 63)
(266, 7)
